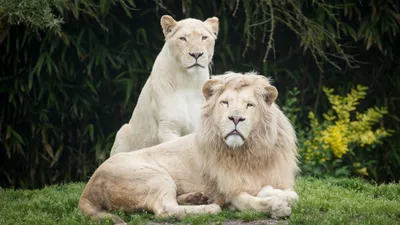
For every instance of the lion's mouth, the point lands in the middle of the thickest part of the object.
(235, 132)
(194, 65)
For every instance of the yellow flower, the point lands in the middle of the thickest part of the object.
(363, 171)
(335, 137)
(343, 127)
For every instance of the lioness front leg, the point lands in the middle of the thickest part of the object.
(167, 131)
(122, 142)
(276, 207)
(288, 194)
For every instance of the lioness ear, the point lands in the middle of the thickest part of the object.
(213, 24)
(209, 88)
(167, 23)
(272, 94)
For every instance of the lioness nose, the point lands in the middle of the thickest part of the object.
(196, 55)
(236, 119)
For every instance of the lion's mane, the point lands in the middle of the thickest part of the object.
(269, 152)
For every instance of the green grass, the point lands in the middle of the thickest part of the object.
(322, 201)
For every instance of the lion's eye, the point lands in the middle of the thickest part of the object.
(182, 38)
(204, 38)
(249, 105)
(225, 103)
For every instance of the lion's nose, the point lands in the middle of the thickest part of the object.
(196, 55)
(236, 119)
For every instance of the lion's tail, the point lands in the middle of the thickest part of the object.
(94, 212)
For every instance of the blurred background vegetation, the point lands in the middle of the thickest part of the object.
(71, 72)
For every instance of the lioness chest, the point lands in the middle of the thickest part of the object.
(186, 105)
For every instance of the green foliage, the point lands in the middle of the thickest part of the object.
(71, 71)
(59, 113)
(330, 147)
(291, 107)
(36, 14)
(314, 36)
(44, 14)
(327, 201)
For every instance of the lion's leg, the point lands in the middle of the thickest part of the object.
(273, 205)
(288, 194)
(193, 198)
(122, 141)
(96, 213)
(168, 206)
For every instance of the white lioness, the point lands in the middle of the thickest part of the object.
(169, 104)
(243, 156)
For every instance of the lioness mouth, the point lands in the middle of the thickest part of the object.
(196, 64)
(234, 132)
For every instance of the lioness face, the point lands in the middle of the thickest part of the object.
(191, 41)
(237, 113)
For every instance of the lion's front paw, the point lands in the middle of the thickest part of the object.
(277, 207)
(289, 195)
(280, 209)
(269, 191)
(212, 208)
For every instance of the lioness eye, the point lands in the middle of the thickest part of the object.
(204, 38)
(224, 103)
(183, 38)
(249, 105)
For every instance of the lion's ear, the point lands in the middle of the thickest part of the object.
(272, 94)
(167, 23)
(213, 24)
(209, 87)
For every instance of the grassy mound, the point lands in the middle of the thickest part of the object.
(322, 201)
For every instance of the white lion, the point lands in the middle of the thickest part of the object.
(243, 156)
(169, 104)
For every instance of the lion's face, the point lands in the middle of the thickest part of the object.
(236, 113)
(239, 105)
(191, 41)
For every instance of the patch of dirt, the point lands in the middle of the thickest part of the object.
(255, 222)
(237, 222)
